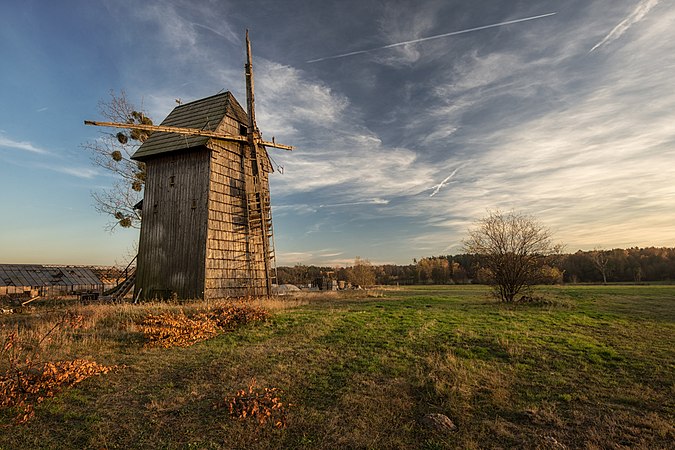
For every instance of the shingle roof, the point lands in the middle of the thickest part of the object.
(37, 275)
(205, 114)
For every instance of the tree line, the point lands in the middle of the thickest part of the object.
(637, 265)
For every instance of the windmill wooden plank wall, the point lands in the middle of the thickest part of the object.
(196, 235)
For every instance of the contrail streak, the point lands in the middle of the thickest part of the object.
(230, 38)
(636, 16)
(442, 183)
(438, 36)
(375, 201)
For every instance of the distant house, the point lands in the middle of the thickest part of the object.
(47, 281)
(206, 232)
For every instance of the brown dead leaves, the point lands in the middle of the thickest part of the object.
(171, 329)
(28, 376)
(176, 329)
(260, 404)
(28, 382)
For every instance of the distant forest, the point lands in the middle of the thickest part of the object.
(635, 265)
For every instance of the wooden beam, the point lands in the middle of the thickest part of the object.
(258, 188)
(187, 131)
(274, 144)
(250, 99)
(166, 129)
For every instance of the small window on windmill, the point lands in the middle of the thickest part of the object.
(172, 180)
(243, 129)
(239, 221)
(194, 203)
(154, 208)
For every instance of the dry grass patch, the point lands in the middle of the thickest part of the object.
(372, 412)
(464, 385)
(46, 351)
(284, 303)
(27, 379)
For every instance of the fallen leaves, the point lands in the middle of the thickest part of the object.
(177, 330)
(260, 404)
(172, 329)
(27, 382)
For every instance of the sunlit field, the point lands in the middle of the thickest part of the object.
(586, 367)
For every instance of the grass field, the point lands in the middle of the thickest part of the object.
(592, 367)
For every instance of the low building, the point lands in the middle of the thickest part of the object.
(32, 280)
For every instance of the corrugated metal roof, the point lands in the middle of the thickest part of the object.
(35, 275)
(205, 114)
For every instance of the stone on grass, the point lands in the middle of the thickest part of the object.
(439, 422)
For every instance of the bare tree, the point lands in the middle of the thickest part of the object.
(513, 248)
(600, 259)
(112, 152)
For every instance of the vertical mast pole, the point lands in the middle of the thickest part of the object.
(250, 100)
(253, 134)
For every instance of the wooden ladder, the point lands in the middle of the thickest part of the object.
(258, 222)
(124, 287)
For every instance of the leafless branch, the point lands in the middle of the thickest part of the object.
(112, 152)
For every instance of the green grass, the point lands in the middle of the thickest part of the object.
(593, 367)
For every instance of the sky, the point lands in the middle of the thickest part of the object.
(411, 119)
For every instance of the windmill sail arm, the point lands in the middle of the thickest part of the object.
(167, 129)
(274, 144)
(187, 131)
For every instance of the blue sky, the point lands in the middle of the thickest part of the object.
(567, 117)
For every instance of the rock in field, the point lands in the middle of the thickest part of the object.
(439, 422)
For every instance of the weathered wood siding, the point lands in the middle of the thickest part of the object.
(194, 235)
(230, 271)
(172, 247)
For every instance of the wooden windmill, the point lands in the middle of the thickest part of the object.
(207, 224)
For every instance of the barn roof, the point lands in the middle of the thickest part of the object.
(38, 275)
(205, 114)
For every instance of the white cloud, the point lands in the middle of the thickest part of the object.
(443, 183)
(374, 201)
(176, 32)
(225, 31)
(21, 145)
(330, 255)
(538, 125)
(291, 258)
(333, 147)
(481, 71)
(399, 24)
(595, 162)
(285, 100)
(79, 172)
